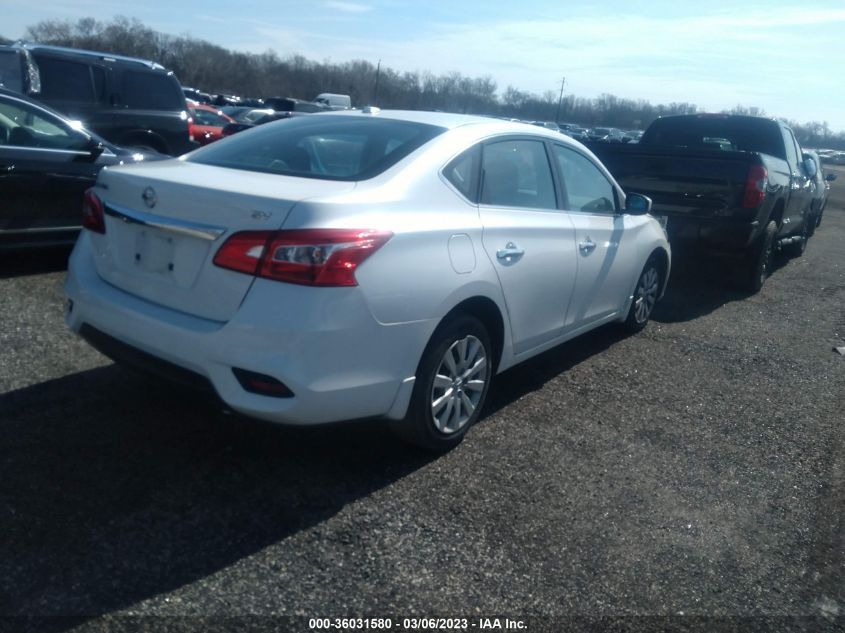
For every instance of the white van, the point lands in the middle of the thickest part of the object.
(335, 102)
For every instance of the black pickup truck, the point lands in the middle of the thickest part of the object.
(724, 183)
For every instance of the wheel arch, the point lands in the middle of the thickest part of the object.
(485, 310)
(145, 137)
(662, 257)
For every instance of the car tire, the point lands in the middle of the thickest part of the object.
(451, 385)
(646, 293)
(760, 260)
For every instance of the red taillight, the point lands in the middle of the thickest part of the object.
(313, 257)
(92, 213)
(755, 187)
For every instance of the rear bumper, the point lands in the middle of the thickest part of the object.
(343, 366)
(709, 234)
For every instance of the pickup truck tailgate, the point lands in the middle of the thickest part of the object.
(680, 182)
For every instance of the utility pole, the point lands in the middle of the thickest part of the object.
(378, 72)
(560, 100)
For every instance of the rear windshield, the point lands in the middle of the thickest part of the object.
(318, 146)
(747, 134)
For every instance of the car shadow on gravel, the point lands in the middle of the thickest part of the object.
(33, 262)
(534, 373)
(114, 489)
(699, 285)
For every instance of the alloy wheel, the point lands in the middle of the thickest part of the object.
(459, 384)
(645, 295)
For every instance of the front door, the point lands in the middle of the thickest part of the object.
(605, 239)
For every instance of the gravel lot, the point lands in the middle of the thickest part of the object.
(696, 468)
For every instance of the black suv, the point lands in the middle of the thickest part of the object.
(128, 101)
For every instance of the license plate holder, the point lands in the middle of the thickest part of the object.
(154, 252)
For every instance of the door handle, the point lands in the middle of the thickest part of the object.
(509, 252)
(587, 246)
(5, 169)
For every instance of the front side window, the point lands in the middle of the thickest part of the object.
(21, 126)
(586, 187)
(325, 147)
(517, 174)
(791, 152)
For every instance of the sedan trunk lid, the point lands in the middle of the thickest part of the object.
(165, 221)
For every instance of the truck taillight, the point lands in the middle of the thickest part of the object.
(92, 213)
(312, 257)
(755, 187)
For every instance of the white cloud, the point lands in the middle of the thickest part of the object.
(347, 7)
(715, 60)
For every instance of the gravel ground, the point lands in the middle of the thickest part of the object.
(697, 468)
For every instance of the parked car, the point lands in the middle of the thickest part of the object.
(46, 163)
(334, 101)
(359, 265)
(196, 95)
(289, 104)
(574, 131)
(633, 136)
(727, 184)
(131, 102)
(247, 118)
(606, 135)
(207, 123)
(821, 189)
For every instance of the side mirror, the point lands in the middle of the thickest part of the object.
(830, 177)
(637, 204)
(95, 148)
(810, 167)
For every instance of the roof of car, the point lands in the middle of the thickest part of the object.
(446, 120)
(80, 52)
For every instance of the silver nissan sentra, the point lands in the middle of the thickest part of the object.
(362, 264)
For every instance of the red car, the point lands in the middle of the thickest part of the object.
(208, 123)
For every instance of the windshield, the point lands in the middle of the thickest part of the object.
(325, 147)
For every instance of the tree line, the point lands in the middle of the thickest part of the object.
(215, 69)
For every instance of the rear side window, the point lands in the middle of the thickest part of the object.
(517, 174)
(318, 146)
(11, 71)
(462, 172)
(150, 91)
(63, 80)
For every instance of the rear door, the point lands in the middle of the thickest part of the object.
(530, 242)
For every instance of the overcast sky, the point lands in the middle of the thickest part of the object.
(781, 56)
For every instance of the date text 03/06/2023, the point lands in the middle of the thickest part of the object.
(417, 624)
